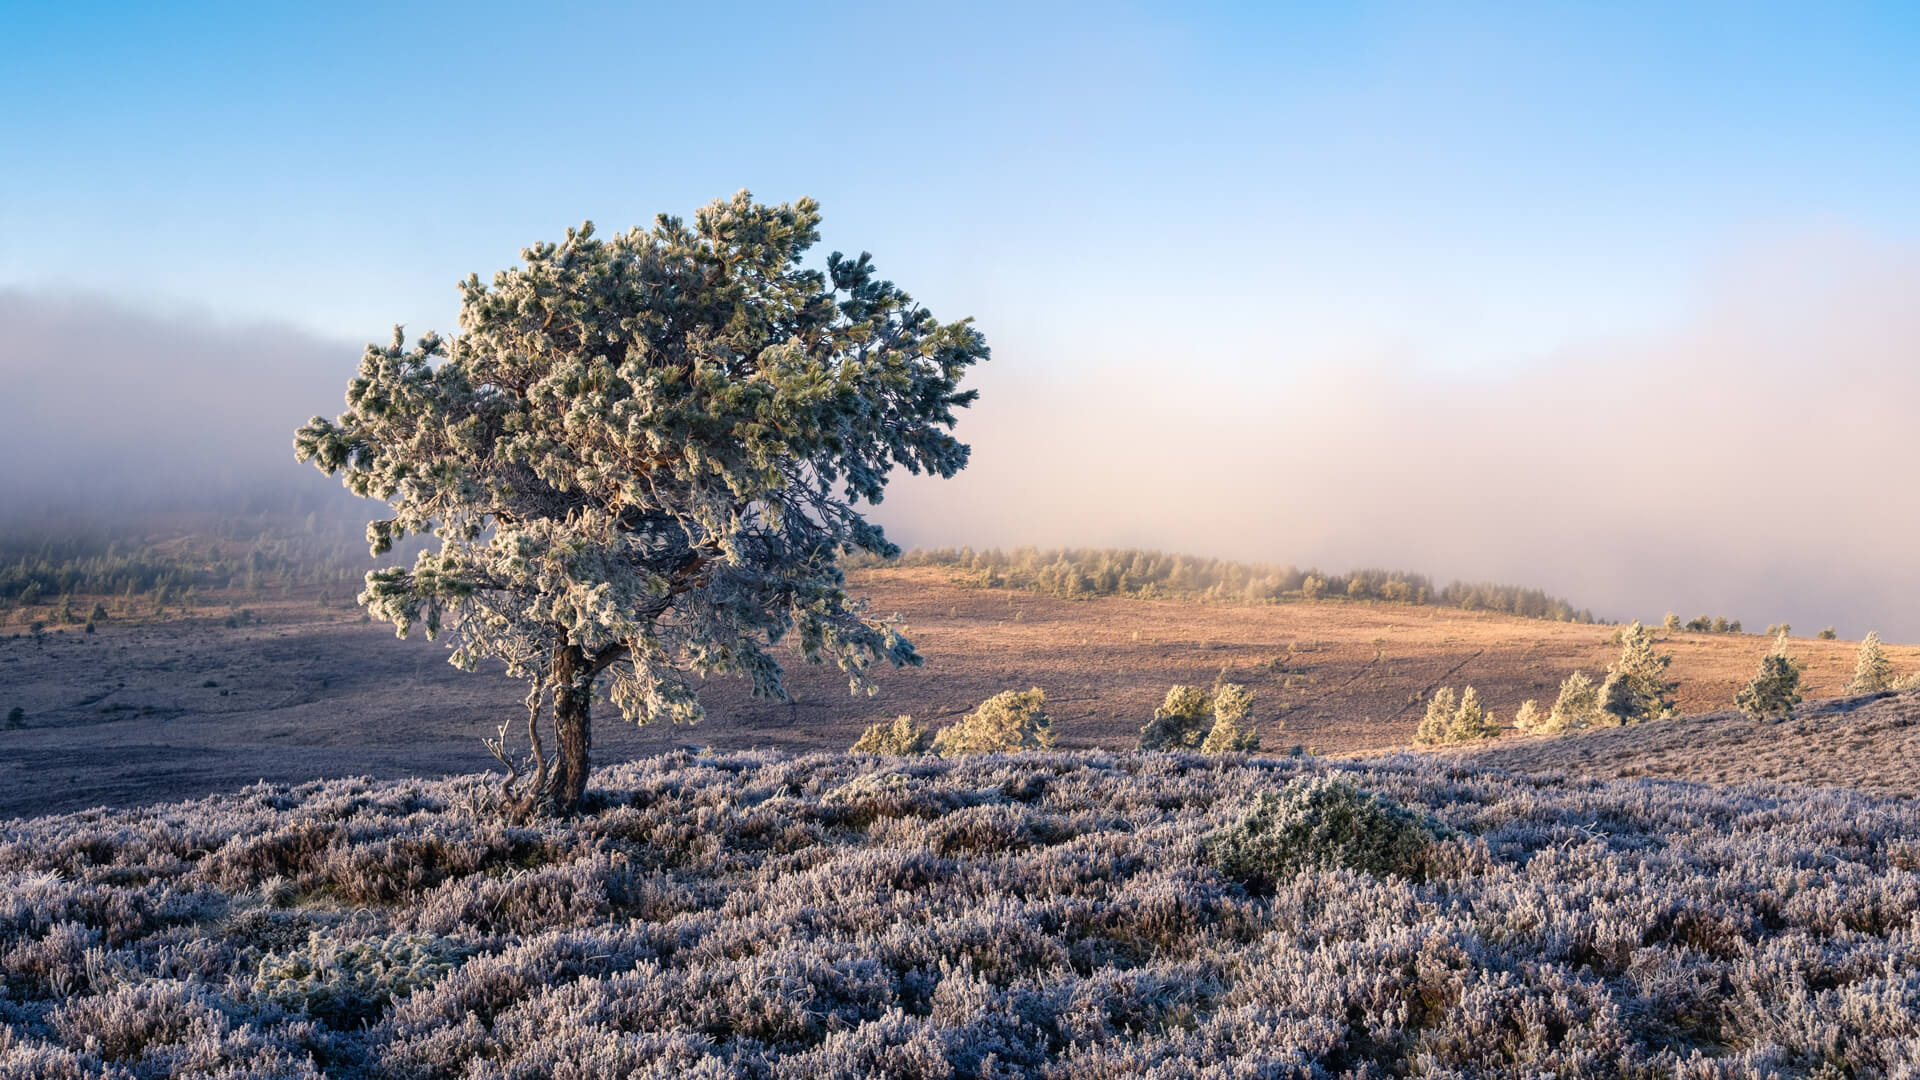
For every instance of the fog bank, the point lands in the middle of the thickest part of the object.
(1753, 460)
(1756, 460)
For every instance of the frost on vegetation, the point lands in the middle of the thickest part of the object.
(1774, 689)
(1453, 721)
(900, 737)
(346, 982)
(1872, 671)
(1636, 687)
(1006, 722)
(1320, 823)
(1066, 916)
(1213, 721)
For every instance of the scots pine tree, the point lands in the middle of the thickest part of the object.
(1578, 705)
(642, 457)
(1872, 671)
(1775, 688)
(1636, 687)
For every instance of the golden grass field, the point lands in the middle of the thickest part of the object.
(164, 709)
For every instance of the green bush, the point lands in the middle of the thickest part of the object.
(1321, 823)
(900, 737)
(1010, 721)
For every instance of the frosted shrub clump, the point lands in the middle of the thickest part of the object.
(1578, 705)
(1872, 671)
(1450, 721)
(1213, 722)
(1007, 722)
(1181, 722)
(1319, 823)
(344, 983)
(1232, 731)
(1775, 688)
(1636, 687)
(900, 737)
(1528, 719)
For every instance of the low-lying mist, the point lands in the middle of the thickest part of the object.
(1755, 460)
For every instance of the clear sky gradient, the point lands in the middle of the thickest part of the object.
(1208, 221)
(1482, 182)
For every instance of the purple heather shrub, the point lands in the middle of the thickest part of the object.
(1066, 916)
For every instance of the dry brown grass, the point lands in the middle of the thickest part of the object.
(123, 716)
(1868, 743)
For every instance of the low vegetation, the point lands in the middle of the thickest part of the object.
(1009, 721)
(1064, 916)
(1775, 688)
(900, 737)
(1454, 721)
(1213, 721)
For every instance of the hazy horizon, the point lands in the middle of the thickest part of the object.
(1742, 462)
(1614, 302)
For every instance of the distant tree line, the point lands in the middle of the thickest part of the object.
(165, 561)
(1076, 573)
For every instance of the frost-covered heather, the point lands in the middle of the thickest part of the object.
(1048, 915)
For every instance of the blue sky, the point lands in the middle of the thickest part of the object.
(1473, 184)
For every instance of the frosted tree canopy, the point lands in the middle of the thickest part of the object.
(643, 455)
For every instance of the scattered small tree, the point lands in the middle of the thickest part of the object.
(1828, 634)
(900, 737)
(1211, 721)
(1671, 622)
(1448, 721)
(643, 457)
(1636, 687)
(1528, 718)
(1775, 688)
(1872, 671)
(1578, 705)
(16, 717)
(1010, 721)
(1181, 722)
(1434, 726)
(1232, 731)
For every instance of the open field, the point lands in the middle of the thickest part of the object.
(1051, 915)
(183, 706)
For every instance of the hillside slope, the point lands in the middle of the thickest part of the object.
(1053, 916)
(1870, 743)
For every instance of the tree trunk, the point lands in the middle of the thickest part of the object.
(572, 698)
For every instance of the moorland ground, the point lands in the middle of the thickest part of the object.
(153, 710)
(1058, 915)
